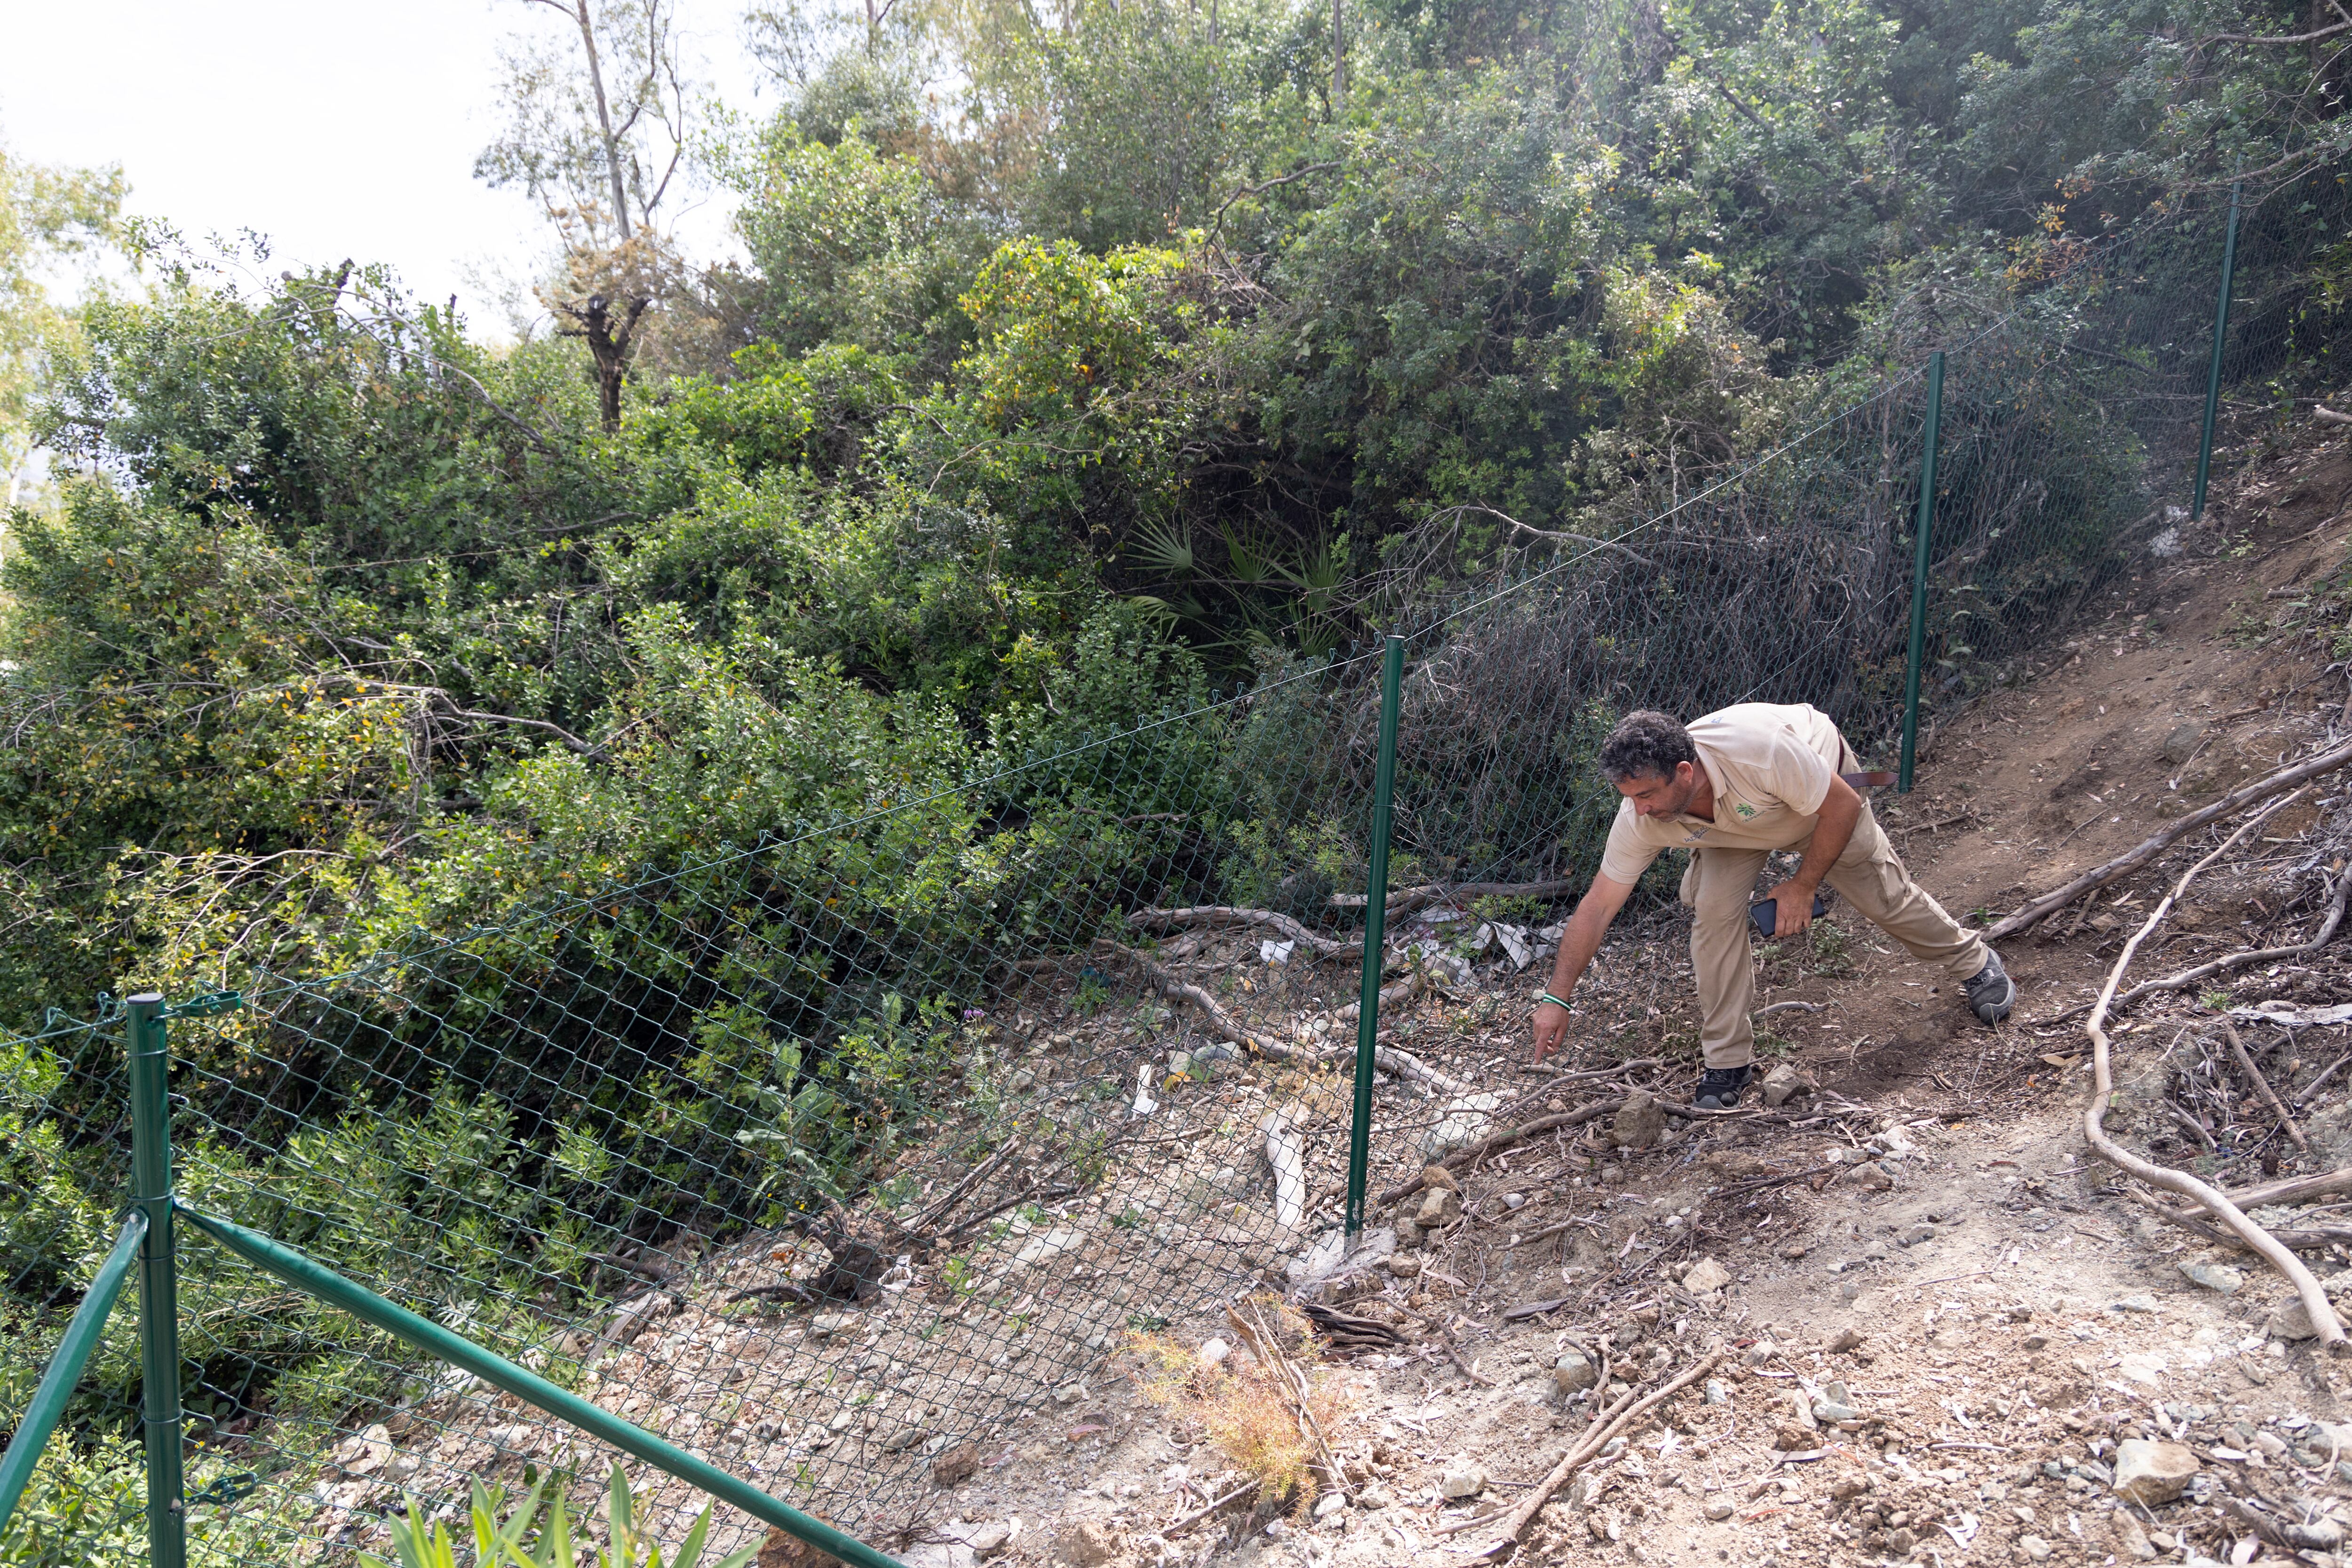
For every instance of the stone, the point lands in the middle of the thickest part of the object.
(1792, 1438)
(2136, 1304)
(1640, 1121)
(955, 1466)
(1718, 1392)
(2150, 1473)
(824, 1325)
(1213, 1352)
(1705, 1276)
(781, 1551)
(1069, 1393)
(1829, 1411)
(1407, 1233)
(2290, 1320)
(1467, 1118)
(1915, 1234)
(1574, 1372)
(904, 1438)
(2033, 1549)
(1873, 1175)
(1784, 1083)
(986, 1540)
(1330, 1503)
(2270, 1444)
(1462, 1479)
(1439, 1206)
(1846, 1339)
(2218, 1277)
(1403, 1265)
(369, 1451)
(1719, 1511)
(1089, 1541)
(1439, 1177)
(2181, 743)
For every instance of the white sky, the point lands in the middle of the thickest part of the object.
(337, 129)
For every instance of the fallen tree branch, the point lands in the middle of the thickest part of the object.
(2238, 1049)
(1405, 902)
(2314, 1299)
(1621, 1416)
(2301, 1239)
(1502, 1140)
(1228, 915)
(1395, 1063)
(2329, 416)
(2123, 865)
(2294, 1189)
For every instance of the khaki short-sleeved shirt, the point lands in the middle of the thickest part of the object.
(1771, 766)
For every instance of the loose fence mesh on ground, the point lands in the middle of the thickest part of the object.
(855, 1155)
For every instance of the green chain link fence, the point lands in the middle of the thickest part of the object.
(845, 1161)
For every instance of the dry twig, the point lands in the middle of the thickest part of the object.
(1618, 1417)
(1502, 1140)
(2238, 1048)
(1395, 1063)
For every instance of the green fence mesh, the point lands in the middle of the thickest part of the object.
(850, 1160)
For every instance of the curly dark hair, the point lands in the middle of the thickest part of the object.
(1645, 744)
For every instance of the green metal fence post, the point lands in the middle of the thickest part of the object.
(1923, 528)
(1376, 912)
(2213, 370)
(57, 1380)
(159, 1287)
(307, 1274)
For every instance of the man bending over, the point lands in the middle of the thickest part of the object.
(1732, 788)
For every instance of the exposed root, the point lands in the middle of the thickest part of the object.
(2314, 1299)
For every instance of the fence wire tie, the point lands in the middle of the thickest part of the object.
(203, 1006)
(227, 1489)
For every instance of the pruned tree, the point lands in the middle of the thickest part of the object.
(597, 132)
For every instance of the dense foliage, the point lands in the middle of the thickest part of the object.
(1153, 365)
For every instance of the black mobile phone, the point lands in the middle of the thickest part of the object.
(1766, 915)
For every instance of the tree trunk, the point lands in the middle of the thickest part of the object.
(1339, 58)
(612, 143)
(608, 340)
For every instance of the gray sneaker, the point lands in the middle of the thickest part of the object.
(1991, 993)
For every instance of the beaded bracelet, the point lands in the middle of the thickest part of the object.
(1548, 997)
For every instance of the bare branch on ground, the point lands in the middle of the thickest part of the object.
(2124, 865)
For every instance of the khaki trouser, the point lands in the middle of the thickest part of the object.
(1721, 884)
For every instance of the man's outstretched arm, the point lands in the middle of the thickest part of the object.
(1578, 943)
(1832, 831)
